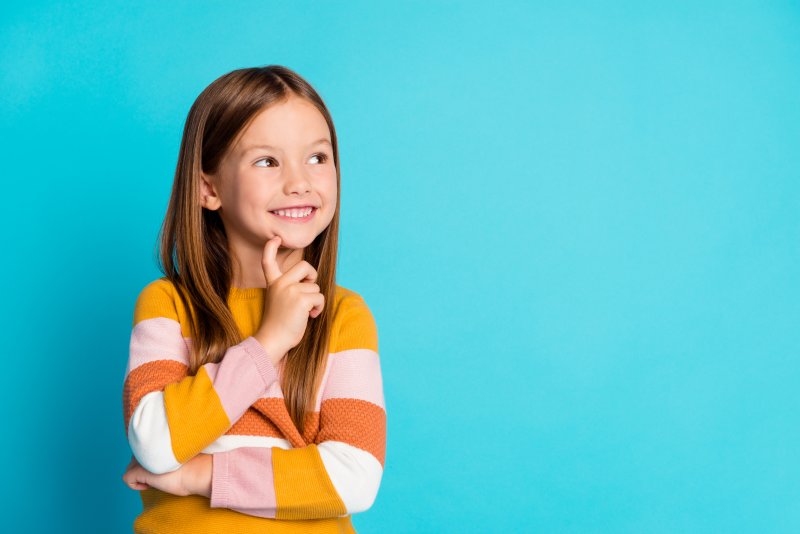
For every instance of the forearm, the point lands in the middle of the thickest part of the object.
(198, 475)
(192, 478)
(168, 425)
(338, 474)
(169, 416)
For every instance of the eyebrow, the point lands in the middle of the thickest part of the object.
(317, 142)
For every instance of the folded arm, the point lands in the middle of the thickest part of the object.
(170, 416)
(338, 474)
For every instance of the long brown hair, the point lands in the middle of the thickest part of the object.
(193, 249)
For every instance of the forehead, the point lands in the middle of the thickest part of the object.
(286, 125)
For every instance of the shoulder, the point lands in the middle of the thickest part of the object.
(157, 299)
(348, 302)
(354, 325)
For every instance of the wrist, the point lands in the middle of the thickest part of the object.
(199, 480)
(274, 348)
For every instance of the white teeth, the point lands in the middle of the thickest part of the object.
(294, 213)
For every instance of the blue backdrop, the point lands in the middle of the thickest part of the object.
(577, 228)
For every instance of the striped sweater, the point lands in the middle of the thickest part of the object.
(264, 471)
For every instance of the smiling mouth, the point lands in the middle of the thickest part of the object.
(295, 215)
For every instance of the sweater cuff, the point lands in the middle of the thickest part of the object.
(220, 487)
(261, 359)
(242, 479)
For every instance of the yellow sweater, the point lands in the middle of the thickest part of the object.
(267, 476)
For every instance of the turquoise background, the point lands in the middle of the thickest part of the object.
(576, 226)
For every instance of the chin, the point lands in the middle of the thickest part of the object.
(294, 243)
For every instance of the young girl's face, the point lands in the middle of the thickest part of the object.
(283, 159)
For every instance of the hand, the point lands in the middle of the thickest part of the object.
(292, 297)
(192, 478)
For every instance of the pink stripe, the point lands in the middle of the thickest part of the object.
(318, 401)
(355, 374)
(243, 376)
(242, 479)
(154, 339)
(273, 392)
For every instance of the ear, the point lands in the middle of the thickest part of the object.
(209, 198)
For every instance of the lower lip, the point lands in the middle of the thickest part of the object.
(296, 219)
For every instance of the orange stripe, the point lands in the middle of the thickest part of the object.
(149, 377)
(254, 423)
(311, 427)
(356, 422)
(275, 409)
(259, 420)
(303, 489)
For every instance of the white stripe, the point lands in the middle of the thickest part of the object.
(228, 442)
(149, 437)
(355, 473)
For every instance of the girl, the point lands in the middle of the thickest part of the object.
(253, 393)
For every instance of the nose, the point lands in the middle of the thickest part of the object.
(296, 181)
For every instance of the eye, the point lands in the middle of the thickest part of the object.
(322, 157)
(265, 159)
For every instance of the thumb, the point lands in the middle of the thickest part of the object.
(268, 262)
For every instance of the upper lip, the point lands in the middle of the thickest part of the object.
(296, 206)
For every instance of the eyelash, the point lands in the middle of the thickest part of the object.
(322, 158)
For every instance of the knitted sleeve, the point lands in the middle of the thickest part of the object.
(338, 474)
(170, 416)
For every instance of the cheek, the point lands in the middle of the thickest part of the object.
(252, 194)
(330, 199)
(330, 185)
